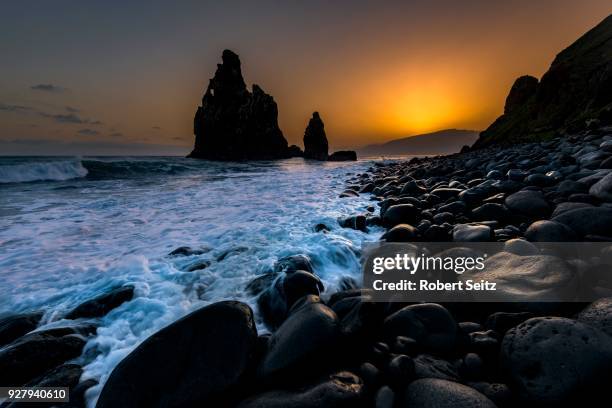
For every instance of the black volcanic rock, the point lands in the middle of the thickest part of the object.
(16, 325)
(235, 124)
(315, 140)
(576, 90)
(198, 360)
(522, 90)
(343, 155)
(101, 305)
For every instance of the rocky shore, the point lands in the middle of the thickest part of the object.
(342, 349)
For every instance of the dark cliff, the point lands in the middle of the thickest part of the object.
(574, 93)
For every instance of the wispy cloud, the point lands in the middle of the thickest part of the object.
(69, 118)
(49, 88)
(15, 108)
(156, 128)
(116, 134)
(72, 110)
(88, 132)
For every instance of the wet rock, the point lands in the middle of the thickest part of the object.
(275, 302)
(349, 193)
(587, 221)
(603, 188)
(197, 360)
(342, 390)
(472, 233)
(188, 251)
(428, 366)
(385, 398)
(400, 370)
(294, 263)
(260, 283)
(437, 233)
(599, 315)
(550, 231)
(552, 359)
(400, 214)
(519, 246)
(357, 222)
(516, 174)
(412, 188)
(446, 193)
(304, 342)
(101, 305)
(32, 355)
(430, 324)
(499, 393)
(343, 155)
(13, 326)
(529, 203)
(535, 278)
(437, 393)
(233, 123)
(485, 343)
(405, 345)
(567, 206)
(321, 228)
(198, 266)
(315, 140)
(299, 284)
(402, 233)
(490, 211)
(472, 366)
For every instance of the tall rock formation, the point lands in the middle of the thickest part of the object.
(576, 90)
(233, 123)
(315, 140)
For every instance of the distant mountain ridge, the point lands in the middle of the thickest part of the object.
(447, 141)
(575, 93)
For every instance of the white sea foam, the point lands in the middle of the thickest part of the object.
(42, 171)
(63, 243)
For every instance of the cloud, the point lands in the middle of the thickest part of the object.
(15, 108)
(69, 118)
(156, 128)
(116, 134)
(72, 110)
(88, 132)
(48, 88)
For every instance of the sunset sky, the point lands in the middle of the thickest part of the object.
(125, 77)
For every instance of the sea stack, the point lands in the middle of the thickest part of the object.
(233, 123)
(315, 140)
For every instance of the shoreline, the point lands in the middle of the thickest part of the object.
(344, 349)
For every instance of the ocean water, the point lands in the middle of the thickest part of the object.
(73, 228)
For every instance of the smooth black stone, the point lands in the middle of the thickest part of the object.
(402, 233)
(400, 214)
(201, 359)
(304, 343)
(550, 231)
(552, 360)
(102, 304)
(16, 325)
(430, 324)
(342, 390)
(32, 355)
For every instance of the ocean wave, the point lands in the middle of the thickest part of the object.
(42, 171)
(111, 169)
